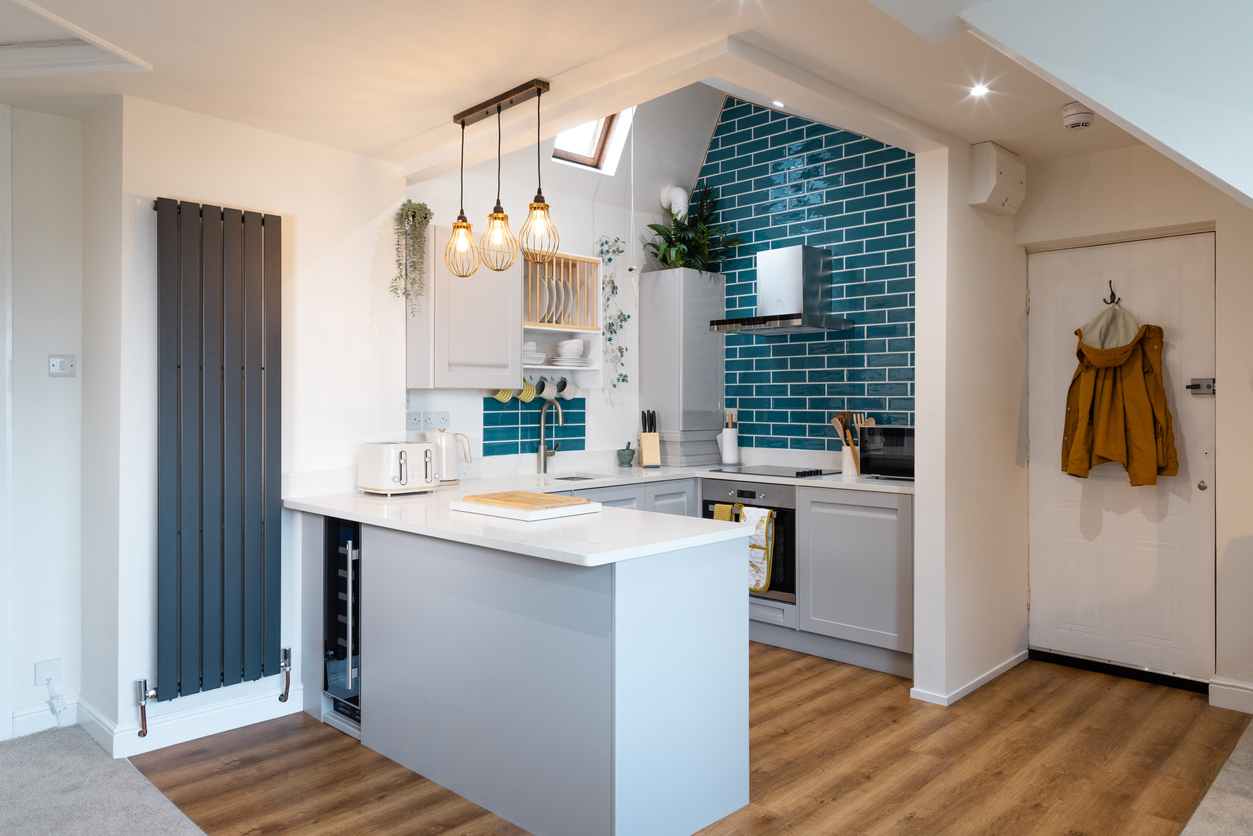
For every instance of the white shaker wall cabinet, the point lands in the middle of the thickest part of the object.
(855, 566)
(468, 334)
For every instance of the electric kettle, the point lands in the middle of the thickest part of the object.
(446, 465)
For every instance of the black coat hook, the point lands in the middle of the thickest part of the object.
(1112, 298)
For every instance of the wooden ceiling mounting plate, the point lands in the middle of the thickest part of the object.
(516, 96)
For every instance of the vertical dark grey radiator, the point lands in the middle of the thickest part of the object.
(219, 274)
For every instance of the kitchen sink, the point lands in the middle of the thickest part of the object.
(579, 477)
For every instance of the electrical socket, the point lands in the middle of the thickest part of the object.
(47, 669)
(413, 421)
(435, 420)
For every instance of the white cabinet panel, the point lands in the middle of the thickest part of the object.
(854, 566)
(626, 496)
(468, 334)
(678, 497)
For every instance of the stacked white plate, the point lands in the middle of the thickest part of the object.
(569, 362)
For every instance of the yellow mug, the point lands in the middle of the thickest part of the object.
(528, 392)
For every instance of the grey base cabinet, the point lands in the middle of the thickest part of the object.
(679, 497)
(623, 496)
(854, 566)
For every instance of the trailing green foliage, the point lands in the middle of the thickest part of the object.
(410, 280)
(694, 239)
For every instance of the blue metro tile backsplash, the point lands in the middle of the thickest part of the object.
(512, 428)
(783, 181)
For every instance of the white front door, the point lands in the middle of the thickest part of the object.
(1118, 573)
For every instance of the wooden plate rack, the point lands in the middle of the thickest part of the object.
(579, 280)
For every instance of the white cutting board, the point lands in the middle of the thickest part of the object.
(524, 514)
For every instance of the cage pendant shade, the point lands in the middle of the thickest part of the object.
(461, 254)
(539, 239)
(498, 248)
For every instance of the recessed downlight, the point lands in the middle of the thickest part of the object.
(779, 104)
(979, 90)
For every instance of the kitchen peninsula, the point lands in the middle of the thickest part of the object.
(584, 675)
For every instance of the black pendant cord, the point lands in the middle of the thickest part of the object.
(499, 208)
(462, 216)
(539, 173)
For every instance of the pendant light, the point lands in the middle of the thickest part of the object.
(539, 239)
(461, 255)
(498, 248)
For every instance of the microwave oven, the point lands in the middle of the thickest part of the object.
(887, 452)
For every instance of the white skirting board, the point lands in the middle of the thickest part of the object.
(983, 679)
(1231, 693)
(37, 718)
(122, 740)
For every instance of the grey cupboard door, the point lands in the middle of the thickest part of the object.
(679, 498)
(855, 567)
(625, 496)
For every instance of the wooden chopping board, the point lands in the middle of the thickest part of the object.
(526, 500)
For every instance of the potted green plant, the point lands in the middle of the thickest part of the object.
(410, 280)
(694, 239)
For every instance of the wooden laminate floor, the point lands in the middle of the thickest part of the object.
(835, 749)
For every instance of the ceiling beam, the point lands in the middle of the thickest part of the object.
(115, 59)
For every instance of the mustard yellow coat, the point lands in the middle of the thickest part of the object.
(1116, 410)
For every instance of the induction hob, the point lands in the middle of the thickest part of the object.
(774, 470)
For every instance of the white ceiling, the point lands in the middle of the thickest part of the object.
(383, 77)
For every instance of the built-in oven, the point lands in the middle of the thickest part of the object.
(778, 498)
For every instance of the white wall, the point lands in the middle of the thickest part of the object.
(1174, 75)
(6, 419)
(47, 318)
(670, 135)
(343, 371)
(1128, 193)
(970, 584)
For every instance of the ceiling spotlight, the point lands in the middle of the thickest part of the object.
(778, 104)
(979, 90)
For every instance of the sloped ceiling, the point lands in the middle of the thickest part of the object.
(383, 77)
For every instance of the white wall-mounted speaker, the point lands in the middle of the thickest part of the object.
(998, 179)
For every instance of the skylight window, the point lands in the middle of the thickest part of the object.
(595, 144)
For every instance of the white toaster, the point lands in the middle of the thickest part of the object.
(392, 467)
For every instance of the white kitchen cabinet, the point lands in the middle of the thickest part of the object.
(624, 496)
(468, 334)
(678, 497)
(854, 566)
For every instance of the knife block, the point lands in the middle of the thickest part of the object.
(650, 450)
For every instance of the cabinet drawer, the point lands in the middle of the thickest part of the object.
(626, 496)
(772, 612)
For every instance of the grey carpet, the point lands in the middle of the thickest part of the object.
(61, 782)
(1227, 809)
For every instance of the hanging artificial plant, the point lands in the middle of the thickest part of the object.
(410, 281)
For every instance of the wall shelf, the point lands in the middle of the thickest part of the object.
(576, 279)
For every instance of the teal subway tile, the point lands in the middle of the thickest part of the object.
(887, 155)
(789, 430)
(898, 300)
(770, 208)
(806, 173)
(500, 419)
(761, 117)
(846, 361)
(789, 349)
(753, 147)
(887, 390)
(864, 404)
(791, 216)
(735, 214)
(501, 449)
(903, 196)
(493, 405)
(720, 154)
(865, 175)
(807, 443)
(772, 390)
(804, 147)
(871, 375)
(822, 184)
(901, 315)
(860, 204)
(818, 130)
(866, 346)
(739, 365)
(864, 289)
(787, 377)
(805, 200)
(834, 445)
(737, 188)
(823, 376)
(787, 137)
(770, 129)
(844, 193)
(738, 110)
(844, 306)
(826, 155)
(755, 377)
(770, 233)
(902, 344)
(724, 128)
(901, 167)
(737, 138)
(720, 179)
(860, 262)
(898, 329)
(530, 434)
(905, 374)
(893, 242)
(807, 390)
(768, 181)
(889, 213)
(770, 442)
(787, 403)
(786, 164)
(842, 138)
(751, 198)
(888, 184)
(901, 227)
(574, 444)
(825, 210)
(847, 248)
(890, 271)
(739, 390)
(864, 146)
(847, 220)
(708, 170)
(884, 360)
(786, 190)
(901, 404)
(905, 256)
(841, 166)
(829, 346)
(807, 228)
(901, 286)
(749, 224)
(826, 404)
(772, 416)
(769, 156)
(822, 239)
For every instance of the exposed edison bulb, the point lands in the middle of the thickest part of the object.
(498, 248)
(539, 239)
(461, 256)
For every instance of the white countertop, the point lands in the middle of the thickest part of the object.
(590, 540)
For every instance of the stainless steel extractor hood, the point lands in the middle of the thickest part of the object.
(792, 296)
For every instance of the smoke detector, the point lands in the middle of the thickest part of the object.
(1076, 117)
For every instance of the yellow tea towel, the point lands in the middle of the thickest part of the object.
(722, 512)
(760, 546)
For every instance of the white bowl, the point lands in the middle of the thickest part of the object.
(570, 348)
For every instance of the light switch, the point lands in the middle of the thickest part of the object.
(62, 365)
